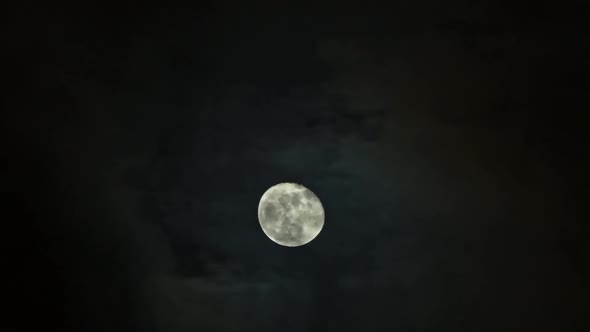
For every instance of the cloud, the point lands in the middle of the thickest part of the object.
(233, 304)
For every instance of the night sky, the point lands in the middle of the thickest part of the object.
(444, 138)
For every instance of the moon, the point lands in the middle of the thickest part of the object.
(290, 214)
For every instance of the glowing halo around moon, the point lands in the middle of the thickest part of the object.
(290, 214)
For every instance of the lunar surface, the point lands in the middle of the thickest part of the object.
(290, 214)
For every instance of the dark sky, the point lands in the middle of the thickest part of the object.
(444, 138)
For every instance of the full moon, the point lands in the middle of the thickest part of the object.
(290, 214)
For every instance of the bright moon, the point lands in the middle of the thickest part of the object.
(290, 214)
